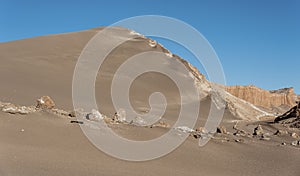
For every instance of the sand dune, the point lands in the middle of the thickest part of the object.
(45, 143)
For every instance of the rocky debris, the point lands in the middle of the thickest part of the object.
(264, 98)
(240, 133)
(15, 109)
(202, 132)
(221, 130)
(295, 143)
(258, 131)
(72, 113)
(239, 140)
(291, 117)
(45, 102)
(138, 121)
(235, 126)
(152, 43)
(161, 124)
(120, 116)
(295, 135)
(265, 137)
(280, 132)
(184, 129)
(94, 116)
(59, 112)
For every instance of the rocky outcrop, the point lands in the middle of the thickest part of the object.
(45, 102)
(290, 118)
(16, 109)
(264, 98)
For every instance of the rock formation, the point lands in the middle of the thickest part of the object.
(264, 98)
(45, 102)
(291, 118)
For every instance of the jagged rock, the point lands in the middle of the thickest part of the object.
(59, 112)
(108, 120)
(152, 43)
(280, 132)
(72, 113)
(258, 131)
(291, 117)
(45, 102)
(94, 116)
(240, 133)
(221, 130)
(265, 137)
(201, 130)
(120, 116)
(295, 143)
(295, 135)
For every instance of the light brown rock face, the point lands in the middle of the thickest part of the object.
(264, 98)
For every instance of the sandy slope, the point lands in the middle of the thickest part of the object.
(51, 145)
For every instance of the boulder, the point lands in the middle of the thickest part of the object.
(94, 116)
(14, 109)
(120, 116)
(201, 130)
(295, 143)
(295, 135)
(258, 131)
(45, 102)
(280, 132)
(221, 130)
(291, 117)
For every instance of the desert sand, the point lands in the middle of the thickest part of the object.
(44, 143)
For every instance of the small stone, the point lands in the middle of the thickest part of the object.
(221, 130)
(94, 116)
(120, 116)
(108, 120)
(239, 140)
(240, 133)
(201, 130)
(22, 130)
(162, 124)
(283, 143)
(280, 132)
(294, 143)
(72, 114)
(295, 135)
(258, 131)
(265, 137)
(152, 43)
(45, 102)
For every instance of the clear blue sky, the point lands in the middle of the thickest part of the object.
(257, 41)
